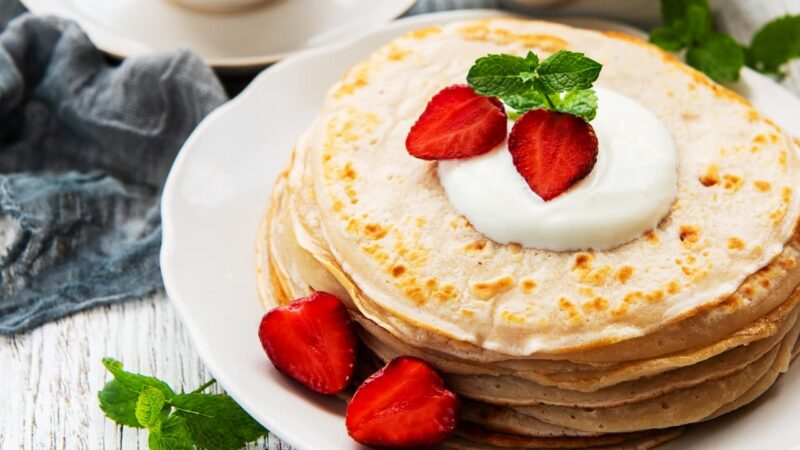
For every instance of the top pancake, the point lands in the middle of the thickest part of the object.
(389, 226)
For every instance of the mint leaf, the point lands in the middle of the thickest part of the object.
(171, 435)
(688, 24)
(566, 71)
(526, 102)
(119, 396)
(775, 44)
(524, 84)
(673, 11)
(119, 403)
(135, 382)
(216, 422)
(669, 38)
(720, 57)
(532, 58)
(499, 75)
(199, 420)
(580, 103)
(149, 407)
(699, 23)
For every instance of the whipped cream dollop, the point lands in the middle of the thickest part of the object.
(630, 189)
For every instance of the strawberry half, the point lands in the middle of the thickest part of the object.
(457, 123)
(403, 405)
(552, 150)
(312, 341)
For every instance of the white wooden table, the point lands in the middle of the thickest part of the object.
(50, 376)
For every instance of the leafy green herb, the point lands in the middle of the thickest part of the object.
(567, 71)
(561, 82)
(175, 421)
(581, 103)
(687, 24)
(149, 406)
(119, 396)
(216, 421)
(172, 435)
(508, 74)
(719, 57)
(774, 44)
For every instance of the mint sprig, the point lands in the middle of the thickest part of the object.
(774, 44)
(562, 82)
(175, 421)
(688, 25)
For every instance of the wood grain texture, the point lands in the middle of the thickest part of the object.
(51, 375)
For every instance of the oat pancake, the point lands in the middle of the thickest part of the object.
(766, 289)
(502, 425)
(578, 349)
(556, 373)
(728, 359)
(511, 390)
(690, 405)
(475, 437)
(580, 378)
(392, 231)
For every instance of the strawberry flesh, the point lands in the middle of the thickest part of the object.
(552, 150)
(403, 405)
(457, 123)
(312, 341)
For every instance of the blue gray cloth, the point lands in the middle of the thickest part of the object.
(85, 147)
(432, 6)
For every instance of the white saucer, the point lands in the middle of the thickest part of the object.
(237, 40)
(217, 192)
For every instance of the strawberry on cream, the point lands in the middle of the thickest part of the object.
(630, 189)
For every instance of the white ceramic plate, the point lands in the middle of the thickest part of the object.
(238, 40)
(217, 192)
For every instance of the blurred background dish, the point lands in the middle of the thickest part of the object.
(241, 40)
(639, 12)
(644, 13)
(220, 6)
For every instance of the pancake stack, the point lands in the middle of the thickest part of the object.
(618, 348)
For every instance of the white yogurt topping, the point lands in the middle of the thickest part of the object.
(629, 190)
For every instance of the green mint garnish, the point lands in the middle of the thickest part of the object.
(720, 57)
(176, 421)
(774, 44)
(688, 25)
(561, 82)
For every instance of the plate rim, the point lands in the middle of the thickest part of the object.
(99, 37)
(169, 193)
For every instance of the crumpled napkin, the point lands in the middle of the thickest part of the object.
(85, 147)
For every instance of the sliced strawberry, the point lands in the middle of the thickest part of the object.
(403, 405)
(457, 123)
(312, 341)
(552, 150)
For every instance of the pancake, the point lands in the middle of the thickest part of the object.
(676, 408)
(474, 437)
(630, 371)
(781, 365)
(591, 380)
(538, 430)
(616, 348)
(506, 420)
(514, 391)
(694, 261)
(766, 289)
(566, 375)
